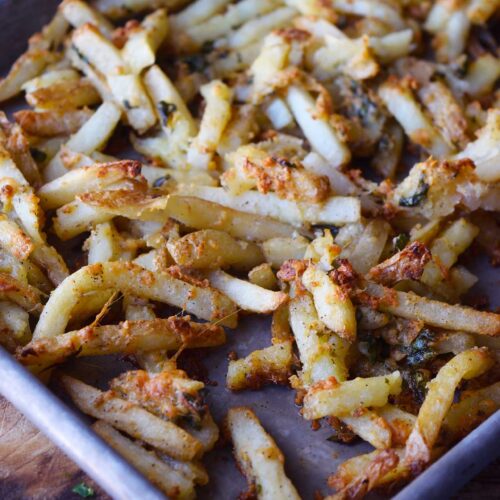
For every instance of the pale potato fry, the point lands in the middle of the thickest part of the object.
(201, 214)
(269, 365)
(259, 27)
(369, 247)
(171, 481)
(466, 365)
(78, 13)
(330, 397)
(334, 306)
(103, 244)
(235, 15)
(245, 295)
(211, 249)
(91, 136)
(258, 456)
(446, 249)
(132, 419)
(402, 104)
(335, 210)
(216, 116)
(128, 337)
(278, 250)
(433, 312)
(263, 276)
(318, 132)
(144, 41)
(116, 9)
(131, 279)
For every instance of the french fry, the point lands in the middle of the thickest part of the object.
(97, 207)
(64, 189)
(171, 481)
(330, 397)
(433, 312)
(359, 475)
(269, 365)
(78, 13)
(335, 210)
(116, 9)
(144, 41)
(334, 306)
(92, 136)
(245, 295)
(201, 214)
(401, 103)
(466, 365)
(258, 456)
(51, 123)
(132, 419)
(131, 279)
(128, 337)
(210, 249)
(263, 276)
(322, 356)
(319, 132)
(278, 250)
(217, 114)
(473, 408)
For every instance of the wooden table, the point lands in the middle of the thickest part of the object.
(31, 467)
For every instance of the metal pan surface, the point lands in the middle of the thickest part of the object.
(310, 457)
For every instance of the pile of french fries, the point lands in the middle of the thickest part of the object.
(271, 143)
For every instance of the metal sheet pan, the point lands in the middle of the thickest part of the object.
(310, 457)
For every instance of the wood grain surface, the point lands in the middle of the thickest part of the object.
(32, 468)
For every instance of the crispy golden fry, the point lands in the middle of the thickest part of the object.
(132, 419)
(128, 337)
(66, 188)
(51, 123)
(333, 304)
(329, 397)
(269, 365)
(466, 365)
(211, 249)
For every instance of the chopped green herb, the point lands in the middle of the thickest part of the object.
(128, 106)
(167, 109)
(38, 155)
(83, 490)
(372, 347)
(283, 162)
(421, 350)
(417, 383)
(196, 63)
(207, 47)
(333, 229)
(417, 197)
(400, 241)
(80, 54)
(160, 181)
